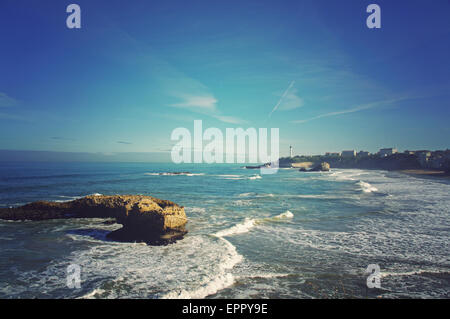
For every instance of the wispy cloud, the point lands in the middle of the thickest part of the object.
(289, 100)
(229, 119)
(352, 110)
(6, 101)
(195, 102)
(206, 104)
(123, 142)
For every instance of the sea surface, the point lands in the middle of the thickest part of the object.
(287, 235)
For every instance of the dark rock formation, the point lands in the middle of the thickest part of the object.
(322, 167)
(302, 169)
(144, 218)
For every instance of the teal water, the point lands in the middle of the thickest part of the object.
(287, 235)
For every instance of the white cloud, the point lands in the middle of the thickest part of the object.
(203, 102)
(229, 119)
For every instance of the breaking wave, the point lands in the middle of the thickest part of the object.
(237, 229)
(249, 223)
(366, 187)
(210, 286)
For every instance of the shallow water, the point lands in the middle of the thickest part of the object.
(287, 235)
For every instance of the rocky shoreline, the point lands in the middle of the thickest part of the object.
(144, 218)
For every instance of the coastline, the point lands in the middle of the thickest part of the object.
(425, 173)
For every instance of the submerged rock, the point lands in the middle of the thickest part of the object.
(144, 218)
(322, 167)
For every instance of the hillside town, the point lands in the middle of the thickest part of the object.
(385, 158)
(427, 159)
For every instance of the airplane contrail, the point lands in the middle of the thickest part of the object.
(281, 98)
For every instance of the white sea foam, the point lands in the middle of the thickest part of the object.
(264, 275)
(218, 283)
(200, 210)
(286, 214)
(241, 228)
(202, 267)
(345, 175)
(230, 176)
(91, 295)
(241, 177)
(410, 273)
(174, 174)
(246, 194)
(366, 187)
(255, 195)
(242, 202)
(221, 277)
(249, 223)
(314, 196)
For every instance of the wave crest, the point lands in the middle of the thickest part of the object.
(366, 187)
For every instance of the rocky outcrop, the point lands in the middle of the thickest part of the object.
(322, 167)
(144, 218)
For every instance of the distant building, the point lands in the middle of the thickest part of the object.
(436, 162)
(423, 153)
(290, 151)
(423, 157)
(410, 152)
(351, 153)
(387, 151)
(363, 154)
(337, 154)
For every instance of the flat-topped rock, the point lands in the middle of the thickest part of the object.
(144, 218)
(322, 167)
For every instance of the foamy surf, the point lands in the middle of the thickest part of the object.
(249, 223)
(410, 273)
(210, 286)
(237, 229)
(224, 279)
(366, 187)
(286, 214)
(265, 275)
(255, 195)
(174, 174)
(91, 295)
(240, 177)
(199, 210)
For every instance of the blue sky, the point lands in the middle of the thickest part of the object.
(134, 72)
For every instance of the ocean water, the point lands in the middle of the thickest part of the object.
(287, 235)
